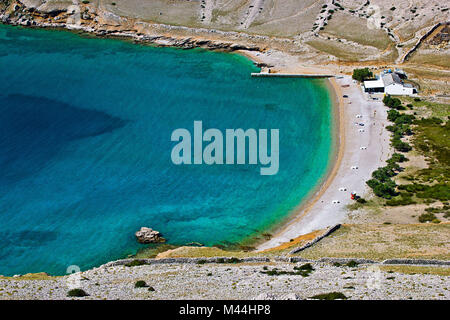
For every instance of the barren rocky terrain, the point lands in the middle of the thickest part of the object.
(256, 280)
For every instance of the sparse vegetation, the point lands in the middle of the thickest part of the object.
(77, 293)
(430, 139)
(362, 74)
(229, 260)
(304, 271)
(330, 296)
(351, 264)
(135, 263)
(427, 217)
(140, 284)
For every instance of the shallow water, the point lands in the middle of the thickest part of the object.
(85, 128)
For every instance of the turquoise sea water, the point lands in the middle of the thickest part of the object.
(85, 128)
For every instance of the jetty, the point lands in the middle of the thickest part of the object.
(290, 75)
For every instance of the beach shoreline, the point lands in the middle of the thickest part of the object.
(317, 191)
(320, 211)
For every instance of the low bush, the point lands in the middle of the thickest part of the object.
(427, 217)
(305, 267)
(403, 200)
(401, 146)
(352, 264)
(361, 200)
(140, 284)
(438, 191)
(384, 189)
(303, 271)
(77, 293)
(135, 263)
(330, 296)
(397, 157)
(362, 74)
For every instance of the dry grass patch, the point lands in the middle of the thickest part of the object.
(434, 59)
(435, 270)
(340, 50)
(31, 276)
(296, 242)
(427, 108)
(379, 242)
(355, 29)
(201, 252)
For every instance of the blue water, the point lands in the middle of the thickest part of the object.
(85, 128)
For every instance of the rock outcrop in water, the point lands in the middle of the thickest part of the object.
(148, 235)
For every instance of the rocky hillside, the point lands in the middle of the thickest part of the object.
(337, 34)
(393, 27)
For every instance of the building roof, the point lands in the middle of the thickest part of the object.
(370, 84)
(390, 78)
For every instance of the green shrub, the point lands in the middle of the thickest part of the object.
(384, 190)
(401, 145)
(151, 289)
(383, 174)
(445, 209)
(140, 284)
(303, 271)
(305, 267)
(362, 74)
(392, 115)
(361, 200)
(135, 263)
(330, 296)
(403, 200)
(77, 293)
(404, 119)
(437, 191)
(352, 264)
(427, 217)
(412, 188)
(229, 260)
(393, 103)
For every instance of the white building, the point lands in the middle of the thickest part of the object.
(389, 83)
